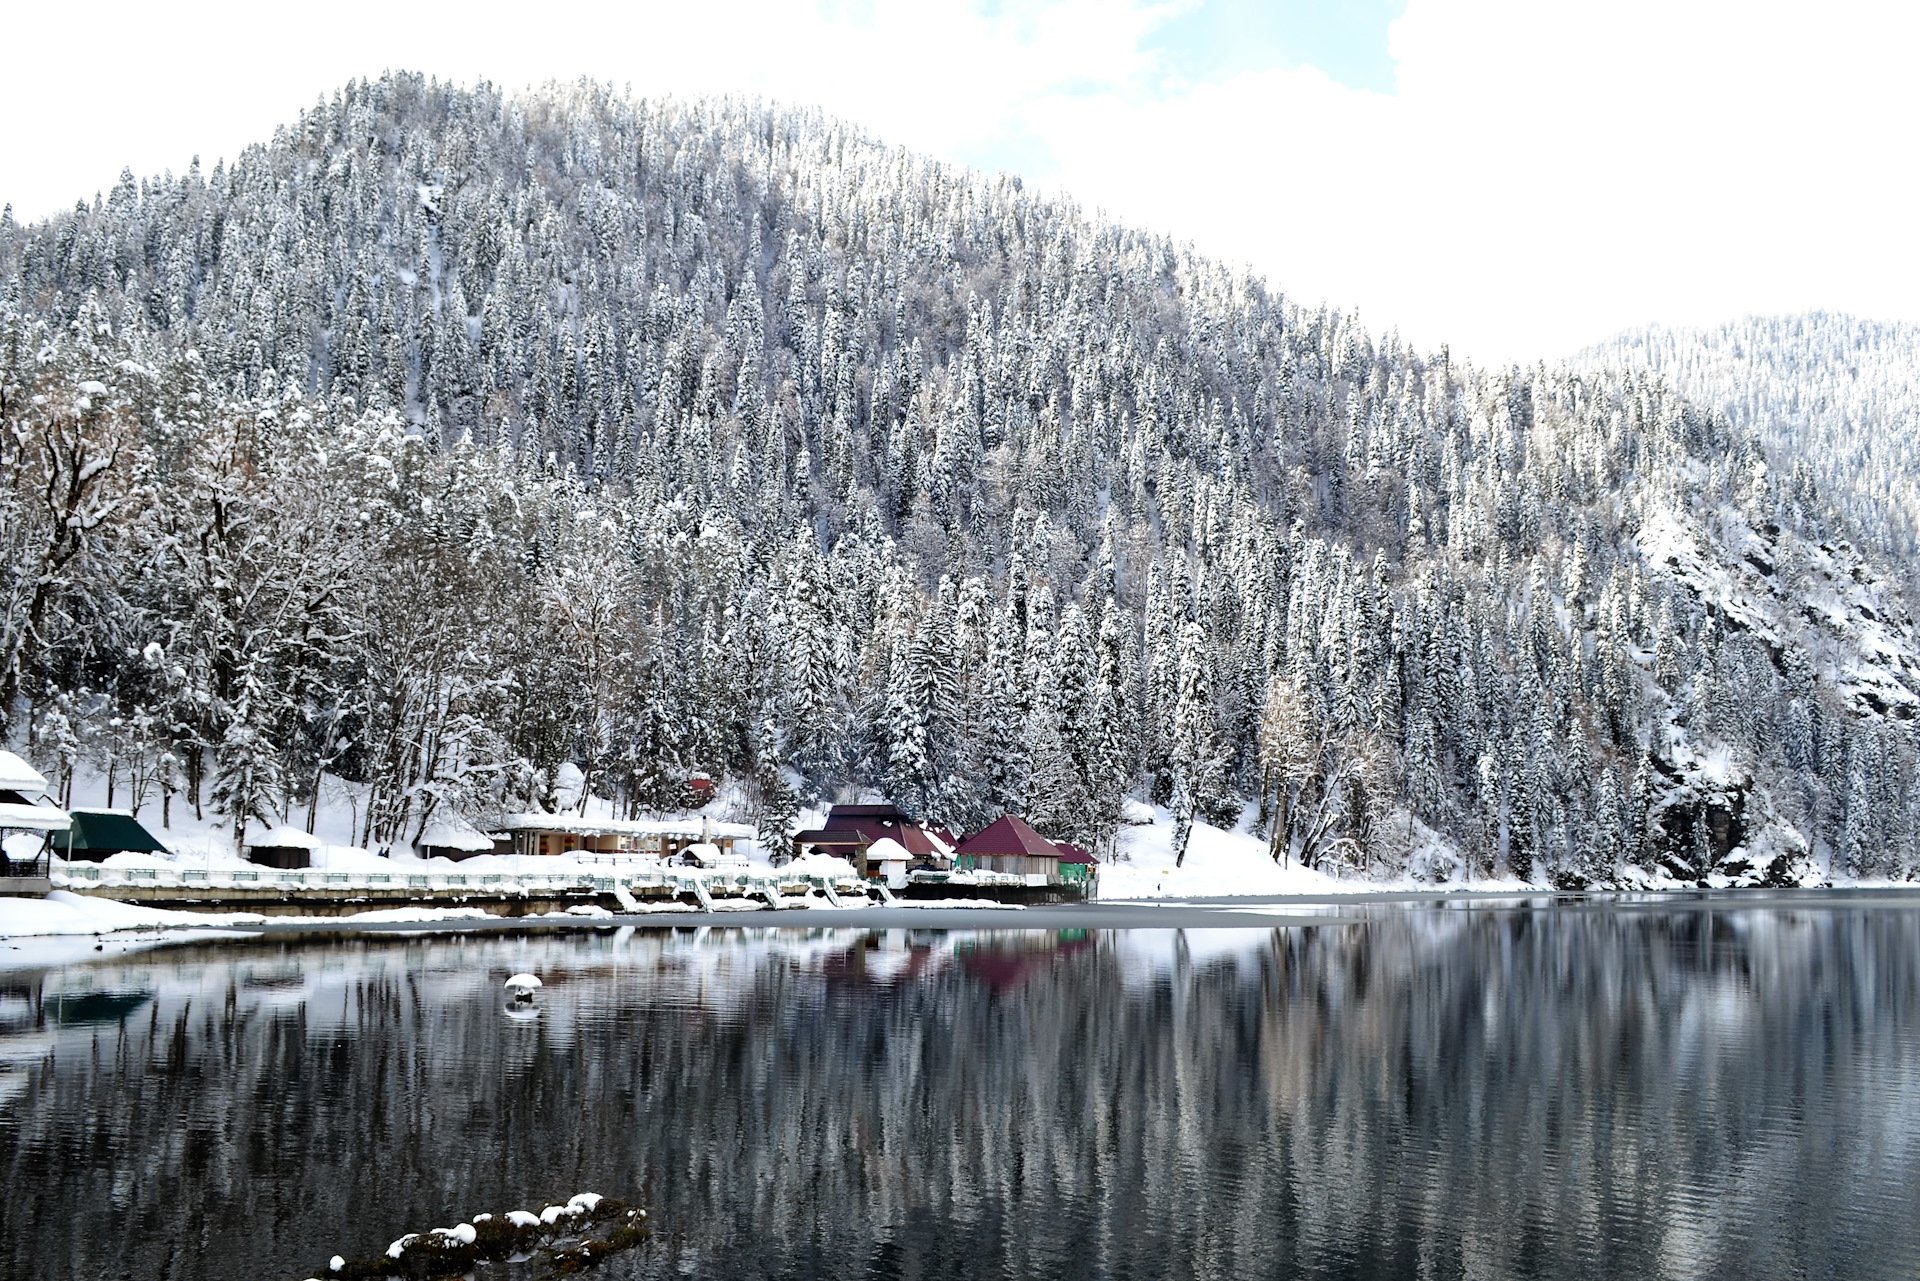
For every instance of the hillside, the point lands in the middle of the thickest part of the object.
(1833, 397)
(451, 437)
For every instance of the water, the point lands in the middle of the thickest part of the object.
(1711, 1089)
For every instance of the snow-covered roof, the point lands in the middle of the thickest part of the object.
(37, 818)
(452, 832)
(18, 776)
(597, 825)
(285, 837)
(887, 850)
(821, 865)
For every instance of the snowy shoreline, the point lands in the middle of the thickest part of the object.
(69, 925)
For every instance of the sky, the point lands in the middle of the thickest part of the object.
(1516, 178)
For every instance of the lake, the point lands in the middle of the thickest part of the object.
(1713, 1087)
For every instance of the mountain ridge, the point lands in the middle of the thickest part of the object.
(472, 435)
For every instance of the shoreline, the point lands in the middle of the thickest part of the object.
(1265, 912)
(1221, 912)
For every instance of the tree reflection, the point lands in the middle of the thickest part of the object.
(1460, 1091)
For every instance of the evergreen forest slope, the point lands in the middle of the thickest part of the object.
(453, 436)
(1835, 394)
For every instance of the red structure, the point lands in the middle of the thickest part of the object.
(851, 829)
(1009, 845)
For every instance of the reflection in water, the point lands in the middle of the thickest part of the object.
(1430, 1092)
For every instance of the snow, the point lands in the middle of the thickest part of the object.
(38, 818)
(817, 864)
(420, 915)
(524, 982)
(452, 832)
(710, 855)
(286, 836)
(62, 912)
(1218, 863)
(887, 850)
(523, 1219)
(18, 776)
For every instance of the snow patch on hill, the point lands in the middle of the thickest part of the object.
(1791, 592)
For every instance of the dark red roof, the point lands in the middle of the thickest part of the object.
(866, 824)
(1072, 853)
(1008, 837)
(850, 812)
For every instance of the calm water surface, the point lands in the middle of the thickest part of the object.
(1465, 1090)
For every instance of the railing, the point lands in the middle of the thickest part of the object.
(35, 866)
(88, 875)
(690, 881)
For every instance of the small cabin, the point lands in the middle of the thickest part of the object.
(287, 848)
(97, 834)
(450, 836)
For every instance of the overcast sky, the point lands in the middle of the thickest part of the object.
(1515, 177)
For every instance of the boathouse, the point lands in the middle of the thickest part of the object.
(287, 848)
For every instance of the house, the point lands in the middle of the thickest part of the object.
(1010, 846)
(539, 833)
(98, 833)
(851, 831)
(29, 824)
(449, 836)
(287, 848)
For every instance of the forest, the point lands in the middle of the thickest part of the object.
(451, 437)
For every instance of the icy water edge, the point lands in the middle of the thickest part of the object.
(1718, 1089)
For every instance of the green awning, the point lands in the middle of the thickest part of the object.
(111, 832)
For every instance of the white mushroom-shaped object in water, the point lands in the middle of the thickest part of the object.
(522, 986)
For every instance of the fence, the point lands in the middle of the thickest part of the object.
(702, 885)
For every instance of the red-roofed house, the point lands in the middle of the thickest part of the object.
(851, 829)
(1008, 845)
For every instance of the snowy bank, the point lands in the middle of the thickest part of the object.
(62, 912)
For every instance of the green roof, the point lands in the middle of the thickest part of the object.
(106, 830)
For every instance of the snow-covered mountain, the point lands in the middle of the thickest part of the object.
(454, 436)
